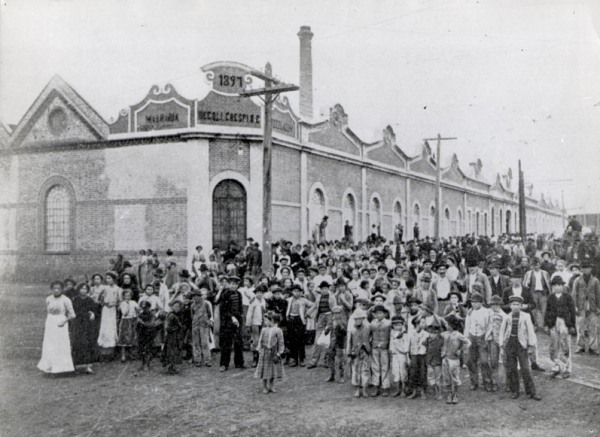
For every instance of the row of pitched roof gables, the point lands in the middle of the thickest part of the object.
(333, 132)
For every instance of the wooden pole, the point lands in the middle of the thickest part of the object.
(267, 256)
(438, 184)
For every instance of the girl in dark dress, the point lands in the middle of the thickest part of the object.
(83, 328)
(173, 341)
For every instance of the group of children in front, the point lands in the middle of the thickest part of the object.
(416, 350)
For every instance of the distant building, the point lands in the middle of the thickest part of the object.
(174, 172)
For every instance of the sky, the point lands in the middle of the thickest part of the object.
(511, 79)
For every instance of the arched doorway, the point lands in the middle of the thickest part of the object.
(508, 222)
(229, 213)
(416, 218)
(375, 217)
(431, 223)
(316, 210)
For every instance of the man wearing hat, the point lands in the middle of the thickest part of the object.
(324, 302)
(442, 287)
(426, 293)
(427, 270)
(517, 335)
(229, 300)
(478, 329)
(498, 282)
(498, 317)
(538, 282)
(184, 278)
(477, 276)
(559, 322)
(586, 292)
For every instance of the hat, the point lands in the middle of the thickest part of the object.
(234, 279)
(184, 273)
(546, 253)
(158, 273)
(324, 284)
(397, 319)
(456, 293)
(428, 261)
(395, 279)
(574, 265)
(476, 297)
(413, 299)
(112, 275)
(362, 300)
(586, 263)
(517, 273)
(515, 299)
(557, 280)
(494, 265)
(377, 308)
(477, 286)
(435, 326)
(203, 268)
(427, 306)
(471, 262)
(196, 292)
(336, 309)
(359, 313)
(397, 299)
(496, 300)
(454, 322)
(376, 295)
(145, 304)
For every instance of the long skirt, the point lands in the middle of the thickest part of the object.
(83, 334)
(127, 332)
(56, 348)
(267, 369)
(107, 338)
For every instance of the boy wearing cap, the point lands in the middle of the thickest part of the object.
(337, 345)
(254, 320)
(380, 342)
(517, 335)
(559, 322)
(358, 350)
(434, 359)
(417, 373)
(399, 359)
(498, 317)
(478, 329)
(297, 311)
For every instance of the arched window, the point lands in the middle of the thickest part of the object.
(397, 213)
(416, 217)
(432, 221)
(460, 223)
(493, 221)
(316, 209)
(349, 209)
(446, 222)
(57, 216)
(375, 217)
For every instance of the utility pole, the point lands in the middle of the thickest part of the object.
(271, 91)
(522, 205)
(438, 184)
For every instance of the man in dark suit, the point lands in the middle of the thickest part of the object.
(229, 300)
(498, 282)
(518, 289)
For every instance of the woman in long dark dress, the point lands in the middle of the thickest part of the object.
(173, 340)
(83, 328)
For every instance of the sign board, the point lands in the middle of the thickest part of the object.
(162, 115)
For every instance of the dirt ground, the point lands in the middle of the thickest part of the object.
(119, 400)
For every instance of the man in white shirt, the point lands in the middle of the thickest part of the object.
(442, 287)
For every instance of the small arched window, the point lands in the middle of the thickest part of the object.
(57, 216)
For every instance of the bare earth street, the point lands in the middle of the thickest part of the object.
(117, 400)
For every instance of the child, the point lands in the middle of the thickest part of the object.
(271, 346)
(297, 312)
(172, 346)
(147, 324)
(454, 344)
(478, 329)
(559, 322)
(434, 359)
(498, 315)
(517, 337)
(337, 345)
(399, 349)
(358, 349)
(418, 363)
(129, 310)
(150, 297)
(254, 320)
(380, 343)
(202, 322)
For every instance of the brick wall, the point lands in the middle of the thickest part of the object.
(286, 174)
(335, 176)
(224, 155)
(286, 223)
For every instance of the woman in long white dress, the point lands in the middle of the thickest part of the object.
(56, 348)
(109, 299)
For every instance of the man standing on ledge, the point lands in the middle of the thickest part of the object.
(230, 301)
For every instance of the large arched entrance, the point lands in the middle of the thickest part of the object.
(229, 213)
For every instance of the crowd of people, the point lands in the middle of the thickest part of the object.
(396, 318)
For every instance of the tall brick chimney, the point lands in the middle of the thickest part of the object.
(306, 88)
